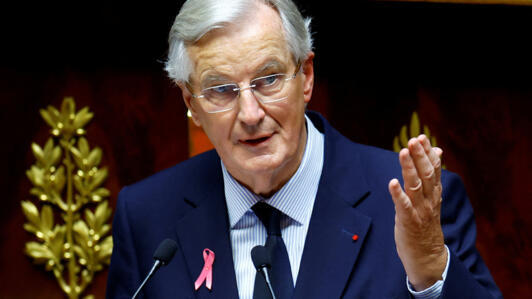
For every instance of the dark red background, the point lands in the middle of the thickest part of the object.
(464, 68)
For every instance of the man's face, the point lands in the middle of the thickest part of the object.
(253, 139)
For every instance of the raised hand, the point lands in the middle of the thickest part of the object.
(418, 233)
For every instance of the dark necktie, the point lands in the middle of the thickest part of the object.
(280, 273)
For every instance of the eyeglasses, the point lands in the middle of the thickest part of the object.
(267, 89)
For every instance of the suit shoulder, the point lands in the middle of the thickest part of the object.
(370, 158)
(172, 182)
(181, 171)
(376, 153)
(347, 152)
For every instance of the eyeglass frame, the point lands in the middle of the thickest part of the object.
(239, 89)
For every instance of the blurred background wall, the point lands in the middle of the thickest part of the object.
(466, 69)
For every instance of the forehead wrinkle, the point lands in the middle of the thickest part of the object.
(257, 65)
(210, 63)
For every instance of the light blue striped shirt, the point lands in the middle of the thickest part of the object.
(295, 199)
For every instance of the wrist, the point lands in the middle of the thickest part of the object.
(429, 271)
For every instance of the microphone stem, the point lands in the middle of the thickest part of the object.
(267, 278)
(155, 266)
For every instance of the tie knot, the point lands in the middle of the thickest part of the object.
(269, 216)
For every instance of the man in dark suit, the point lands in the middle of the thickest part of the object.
(333, 218)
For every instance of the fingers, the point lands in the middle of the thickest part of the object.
(421, 170)
(424, 167)
(402, 202)
(428, 165)
(433, 153)
(413, 185)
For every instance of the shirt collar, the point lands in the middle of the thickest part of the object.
(294, 199)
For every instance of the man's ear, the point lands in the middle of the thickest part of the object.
(187, 98)
(308, 72)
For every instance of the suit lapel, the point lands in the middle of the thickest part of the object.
(330, 248)
(337, 231)
(206, 225)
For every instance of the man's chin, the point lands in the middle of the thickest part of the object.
(257, 164)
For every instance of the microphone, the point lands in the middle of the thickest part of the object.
(262, 259)
(162, 256)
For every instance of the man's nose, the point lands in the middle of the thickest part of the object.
(250, 110)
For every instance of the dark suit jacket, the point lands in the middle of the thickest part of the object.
(186, 203)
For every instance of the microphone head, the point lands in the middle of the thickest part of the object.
(165, 252)
(261, 256)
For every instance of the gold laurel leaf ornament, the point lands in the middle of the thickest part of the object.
(67, 182)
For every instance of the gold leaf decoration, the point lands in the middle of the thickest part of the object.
(414, 130)
(67, 179)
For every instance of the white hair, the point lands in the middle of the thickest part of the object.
(198, 17)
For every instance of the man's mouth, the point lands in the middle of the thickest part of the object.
(255, 141)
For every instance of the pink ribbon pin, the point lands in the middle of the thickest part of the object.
(206, 273)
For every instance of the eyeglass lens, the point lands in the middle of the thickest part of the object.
(266, 89)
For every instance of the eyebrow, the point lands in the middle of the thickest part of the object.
(214, 78)
(271, 64)
(219, 79)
